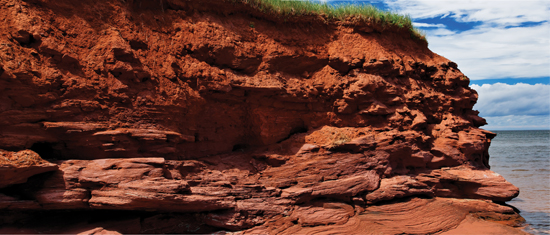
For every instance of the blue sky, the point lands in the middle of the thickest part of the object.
(502, 46)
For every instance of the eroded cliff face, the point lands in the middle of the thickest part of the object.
(203, 116)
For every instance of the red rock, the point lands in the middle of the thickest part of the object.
(418, 216)
(98, 231)
(467, 183)
(351, 186)
(180, 117)
(398, 187)
(323, 214)
(11, 203)
(457, 182)
(17, 167)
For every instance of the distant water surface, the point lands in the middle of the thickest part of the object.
(523, 158)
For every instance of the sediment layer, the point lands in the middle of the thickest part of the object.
(198, 117)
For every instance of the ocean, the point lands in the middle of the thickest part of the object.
(523, 158)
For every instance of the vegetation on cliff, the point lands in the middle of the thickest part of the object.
(362, 13)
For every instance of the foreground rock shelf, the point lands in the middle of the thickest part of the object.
(181, 117)
(237, 199)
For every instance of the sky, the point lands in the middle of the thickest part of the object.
(502, 46)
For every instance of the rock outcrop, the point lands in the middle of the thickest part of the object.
(205, 116)
(16, 168)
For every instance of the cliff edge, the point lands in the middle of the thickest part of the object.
(209, 116)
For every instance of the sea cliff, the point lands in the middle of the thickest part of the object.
(206, 116)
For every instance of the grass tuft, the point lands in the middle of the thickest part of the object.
(365, 13)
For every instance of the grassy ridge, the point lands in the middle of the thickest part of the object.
(366, 13)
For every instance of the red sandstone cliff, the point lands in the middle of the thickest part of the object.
(203, 116)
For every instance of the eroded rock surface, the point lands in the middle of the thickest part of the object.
(17, 167)
(208, 116)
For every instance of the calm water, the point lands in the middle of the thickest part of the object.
(523, 158)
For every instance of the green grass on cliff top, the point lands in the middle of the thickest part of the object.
(365, 13)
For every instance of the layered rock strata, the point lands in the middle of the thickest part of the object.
(200, 117)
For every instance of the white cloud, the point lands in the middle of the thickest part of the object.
(501, 99)
(491, 11)
(495, 48)
(487, 52)
(518, 122)
(519, 106)
(426, 25)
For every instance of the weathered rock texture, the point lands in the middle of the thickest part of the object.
(203, 116)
